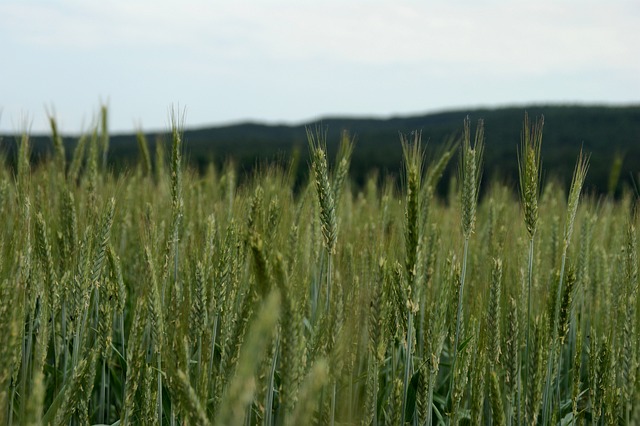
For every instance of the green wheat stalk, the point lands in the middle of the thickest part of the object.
(470, 175)
(577, 182)
(529, 172)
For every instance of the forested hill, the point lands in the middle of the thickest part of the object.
(604, 132)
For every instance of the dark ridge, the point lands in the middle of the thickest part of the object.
(602, 131)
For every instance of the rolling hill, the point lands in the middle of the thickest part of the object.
(602, 131)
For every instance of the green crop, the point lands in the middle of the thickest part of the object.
(163, 296)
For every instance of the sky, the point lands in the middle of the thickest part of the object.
(285, 61)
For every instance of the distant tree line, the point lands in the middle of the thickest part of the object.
(611, 135)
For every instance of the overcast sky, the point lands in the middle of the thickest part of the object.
(294, 61)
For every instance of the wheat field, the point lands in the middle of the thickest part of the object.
(163, 296)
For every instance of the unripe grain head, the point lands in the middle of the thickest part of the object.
(317, 146)
(529, 171)
(470, 175)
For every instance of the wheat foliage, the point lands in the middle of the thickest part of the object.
(166, 295)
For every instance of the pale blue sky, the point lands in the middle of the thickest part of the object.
(294, 61)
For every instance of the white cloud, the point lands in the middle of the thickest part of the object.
(518, 36)
(238, 56)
